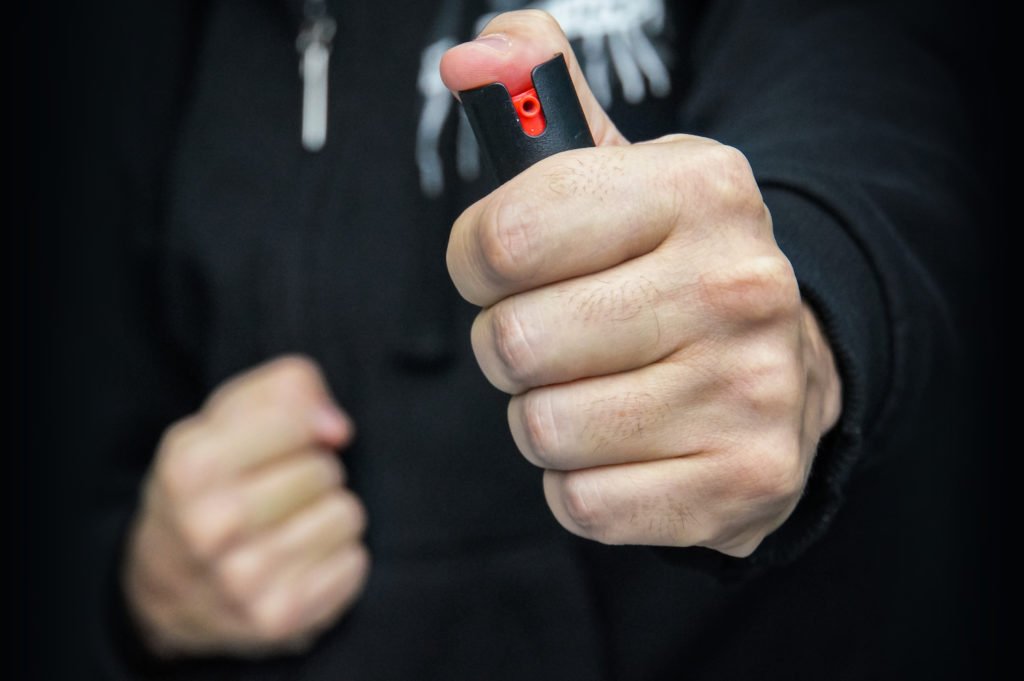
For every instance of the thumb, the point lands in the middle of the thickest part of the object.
(506, 52)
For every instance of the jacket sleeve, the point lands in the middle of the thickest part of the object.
(855, 127)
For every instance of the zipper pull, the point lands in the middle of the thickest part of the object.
(314, 47)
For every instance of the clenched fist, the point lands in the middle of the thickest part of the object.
(247, 541)
(665, 372)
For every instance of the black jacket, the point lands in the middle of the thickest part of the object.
(215, 242)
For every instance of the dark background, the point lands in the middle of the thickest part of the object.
(56, 76)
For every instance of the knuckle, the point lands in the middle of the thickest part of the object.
(457, 254)
(583, 505)
(181, 468)
(360, 565)
(353, 574)
(746, 476)
(273, 618)
(773, 475)
(733, 180)
(350, 514)
(240, 574)
(768, 380)
(508, 238)
(756, 289)
(542, 437)
(204, 528)
(198, 536)
(512, 345)
(786, 477)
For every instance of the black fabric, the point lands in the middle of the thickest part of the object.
(216, 242)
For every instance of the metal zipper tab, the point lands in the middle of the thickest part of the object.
(314, 47)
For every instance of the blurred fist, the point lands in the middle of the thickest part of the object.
(247, 541)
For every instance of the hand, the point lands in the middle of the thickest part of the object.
(665, 373)
(247, 542)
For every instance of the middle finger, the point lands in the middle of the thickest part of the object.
(599, 324)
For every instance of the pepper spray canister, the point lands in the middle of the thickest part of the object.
(515, 130)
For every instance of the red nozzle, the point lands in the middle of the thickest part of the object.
(531, 116)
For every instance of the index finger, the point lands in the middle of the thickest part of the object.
(275, 409)
(575, 213)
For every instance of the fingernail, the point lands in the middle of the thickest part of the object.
(495, 41)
